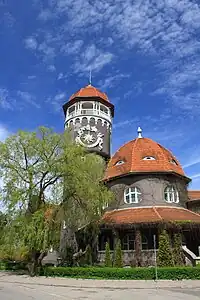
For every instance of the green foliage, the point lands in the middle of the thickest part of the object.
(169, 273)
(88, 256)
(7, 265)
(118, 261)
(177, 250)
(108, 261)
(36, 167)
(165, 258)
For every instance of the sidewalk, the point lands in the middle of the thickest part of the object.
(101, 284)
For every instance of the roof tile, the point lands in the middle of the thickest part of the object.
(149, 215)
(89, 91)
(193, 195)
(133, 152)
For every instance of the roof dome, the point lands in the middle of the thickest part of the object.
(89, 91)
(142, 155)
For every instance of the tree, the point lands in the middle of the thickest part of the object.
(36, 167)
(178, 254)
(84, 197)
(138, 248)
(88, 256)
(118, 261)
(165, 258)
(108, 261)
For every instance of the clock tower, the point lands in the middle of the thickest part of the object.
(89, 114)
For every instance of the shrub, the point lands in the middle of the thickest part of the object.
(7, 265)
(170, 273)
(118, 262)
(108, 261)
(165, 258)
(177, 250)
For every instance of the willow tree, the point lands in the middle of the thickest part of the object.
(48, 179)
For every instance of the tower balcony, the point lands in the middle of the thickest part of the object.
(89, 112)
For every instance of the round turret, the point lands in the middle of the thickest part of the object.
(88, 114)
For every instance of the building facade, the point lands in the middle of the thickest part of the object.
(149, 184)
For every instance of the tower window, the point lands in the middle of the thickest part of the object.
(149, 158)
(171, 195)
(132, 195)
(104, 109)
(87, 105)
(71, 109)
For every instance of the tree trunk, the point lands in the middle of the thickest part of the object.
(138, 247)
(34, 266)
(68, 244)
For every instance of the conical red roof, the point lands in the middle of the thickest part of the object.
(89, 91)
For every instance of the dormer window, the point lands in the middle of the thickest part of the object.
(119, 162)
(174, 162)
(149, 158)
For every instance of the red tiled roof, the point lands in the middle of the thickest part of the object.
(133, 152)
(149, 215)
(89, 91)
(193, 195)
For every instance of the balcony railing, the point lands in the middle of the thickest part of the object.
(88, 112)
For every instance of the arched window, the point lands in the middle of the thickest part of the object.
(132, 195)
(171, 194)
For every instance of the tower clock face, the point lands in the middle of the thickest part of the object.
(90, 137)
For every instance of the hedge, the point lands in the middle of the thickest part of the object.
(168, 273)
(12, 265)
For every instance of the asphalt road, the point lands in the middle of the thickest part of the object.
(12, 288)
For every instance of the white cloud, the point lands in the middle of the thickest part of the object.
(166, 30)
(92, 58)
(28, 98)
(45, 15)
(111, 81)
(47, 51)
(52, 68)
(5, 99)
(125, 123)
(31, 43)
(57, 101)
(59, 96)
(195, 176)
(72, 47)
(31, 77)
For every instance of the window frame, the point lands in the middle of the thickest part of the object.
(130, 237)
(128, 192)
(171, 194)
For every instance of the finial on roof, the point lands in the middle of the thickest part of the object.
(139, 132)
(90, 77)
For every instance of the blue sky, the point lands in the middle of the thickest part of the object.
(143, 54)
